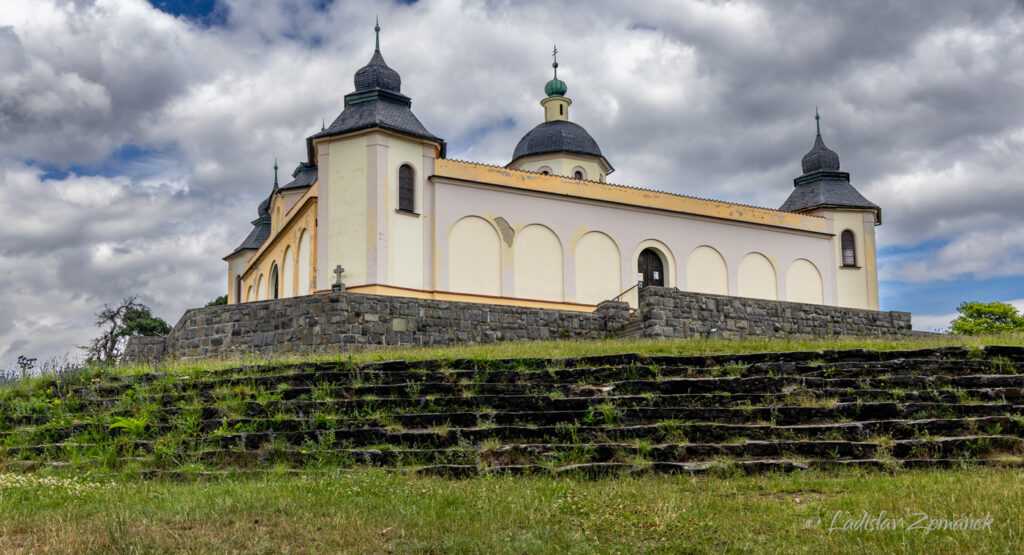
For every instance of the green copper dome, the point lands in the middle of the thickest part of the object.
(555, 87)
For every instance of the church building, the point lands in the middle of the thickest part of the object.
(378, 204)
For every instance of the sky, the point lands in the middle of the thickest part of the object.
(137, 138)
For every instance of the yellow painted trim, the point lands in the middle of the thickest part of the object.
(463, 297)
(620, 194)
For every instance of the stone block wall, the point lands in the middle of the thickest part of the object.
(345, 321)
(666, 312)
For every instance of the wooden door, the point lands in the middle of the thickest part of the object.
(651, 268)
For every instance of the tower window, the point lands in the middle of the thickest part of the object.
(406, 190)
(579, 173)
(561, 110)
(848, 248)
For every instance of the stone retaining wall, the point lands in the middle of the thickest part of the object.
(345, 321)
(669, 312)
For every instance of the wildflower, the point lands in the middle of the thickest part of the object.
(303, 451)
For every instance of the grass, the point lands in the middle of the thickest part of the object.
(368, 510)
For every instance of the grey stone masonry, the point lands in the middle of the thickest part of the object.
(347, 321)
(667, 312)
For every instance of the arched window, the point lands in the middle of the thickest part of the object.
(849, 250)
(579, 173)
(544, 170)
(274, 289)
(406, 191)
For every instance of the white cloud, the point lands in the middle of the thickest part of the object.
(920, 99)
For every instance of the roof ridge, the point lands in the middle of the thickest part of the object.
(634, 188)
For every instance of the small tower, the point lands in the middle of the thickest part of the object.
(825, 191)
(559, 146)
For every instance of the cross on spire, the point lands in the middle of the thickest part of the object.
(817, 120)
(275, 172)
(554, 54)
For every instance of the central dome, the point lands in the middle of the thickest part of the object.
(557, 136)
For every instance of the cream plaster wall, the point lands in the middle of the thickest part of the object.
(857, 286)
(405, 231)
(474, 257)
(261, 288)
(288, 273)
(347, 238)
(803, 283)
(562, 164)
(537, 259)
(280, 250)
(236, 267)
(303, 282)
(706, 272)
(597, 266)
(757, 278)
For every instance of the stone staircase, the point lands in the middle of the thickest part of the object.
(593, 415)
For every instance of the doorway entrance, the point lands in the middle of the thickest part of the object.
(651, 268)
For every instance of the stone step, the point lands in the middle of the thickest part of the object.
(349, 378)
(662, 432)
(779, 415)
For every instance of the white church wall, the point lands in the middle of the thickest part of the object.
(537, 259)
(706, 272)
(803, 283)
(474, 257)
(628, 228)
(757, 278)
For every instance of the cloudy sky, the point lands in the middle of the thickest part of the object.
(137, 138)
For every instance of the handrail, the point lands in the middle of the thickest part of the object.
(637, 286)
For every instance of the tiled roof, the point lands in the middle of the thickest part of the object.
(304, 176)
(827, 190)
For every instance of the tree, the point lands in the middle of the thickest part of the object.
(223, 299)
(120, 322)
(976, 317)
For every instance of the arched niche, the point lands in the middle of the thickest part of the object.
(756, 277)
(803, 283)
(706, 272)
(474, 257)
(598, 268)
(537, 264)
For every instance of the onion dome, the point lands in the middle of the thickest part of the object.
(821, 157)
(377, 74)
(556, 87)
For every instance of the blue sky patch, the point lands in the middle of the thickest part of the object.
(204, 12)
(129, 161)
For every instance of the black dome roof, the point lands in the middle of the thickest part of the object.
(377, 75)
(557, 136)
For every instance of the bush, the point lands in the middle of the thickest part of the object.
(976, 318)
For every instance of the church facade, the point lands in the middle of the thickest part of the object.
(378, 197)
